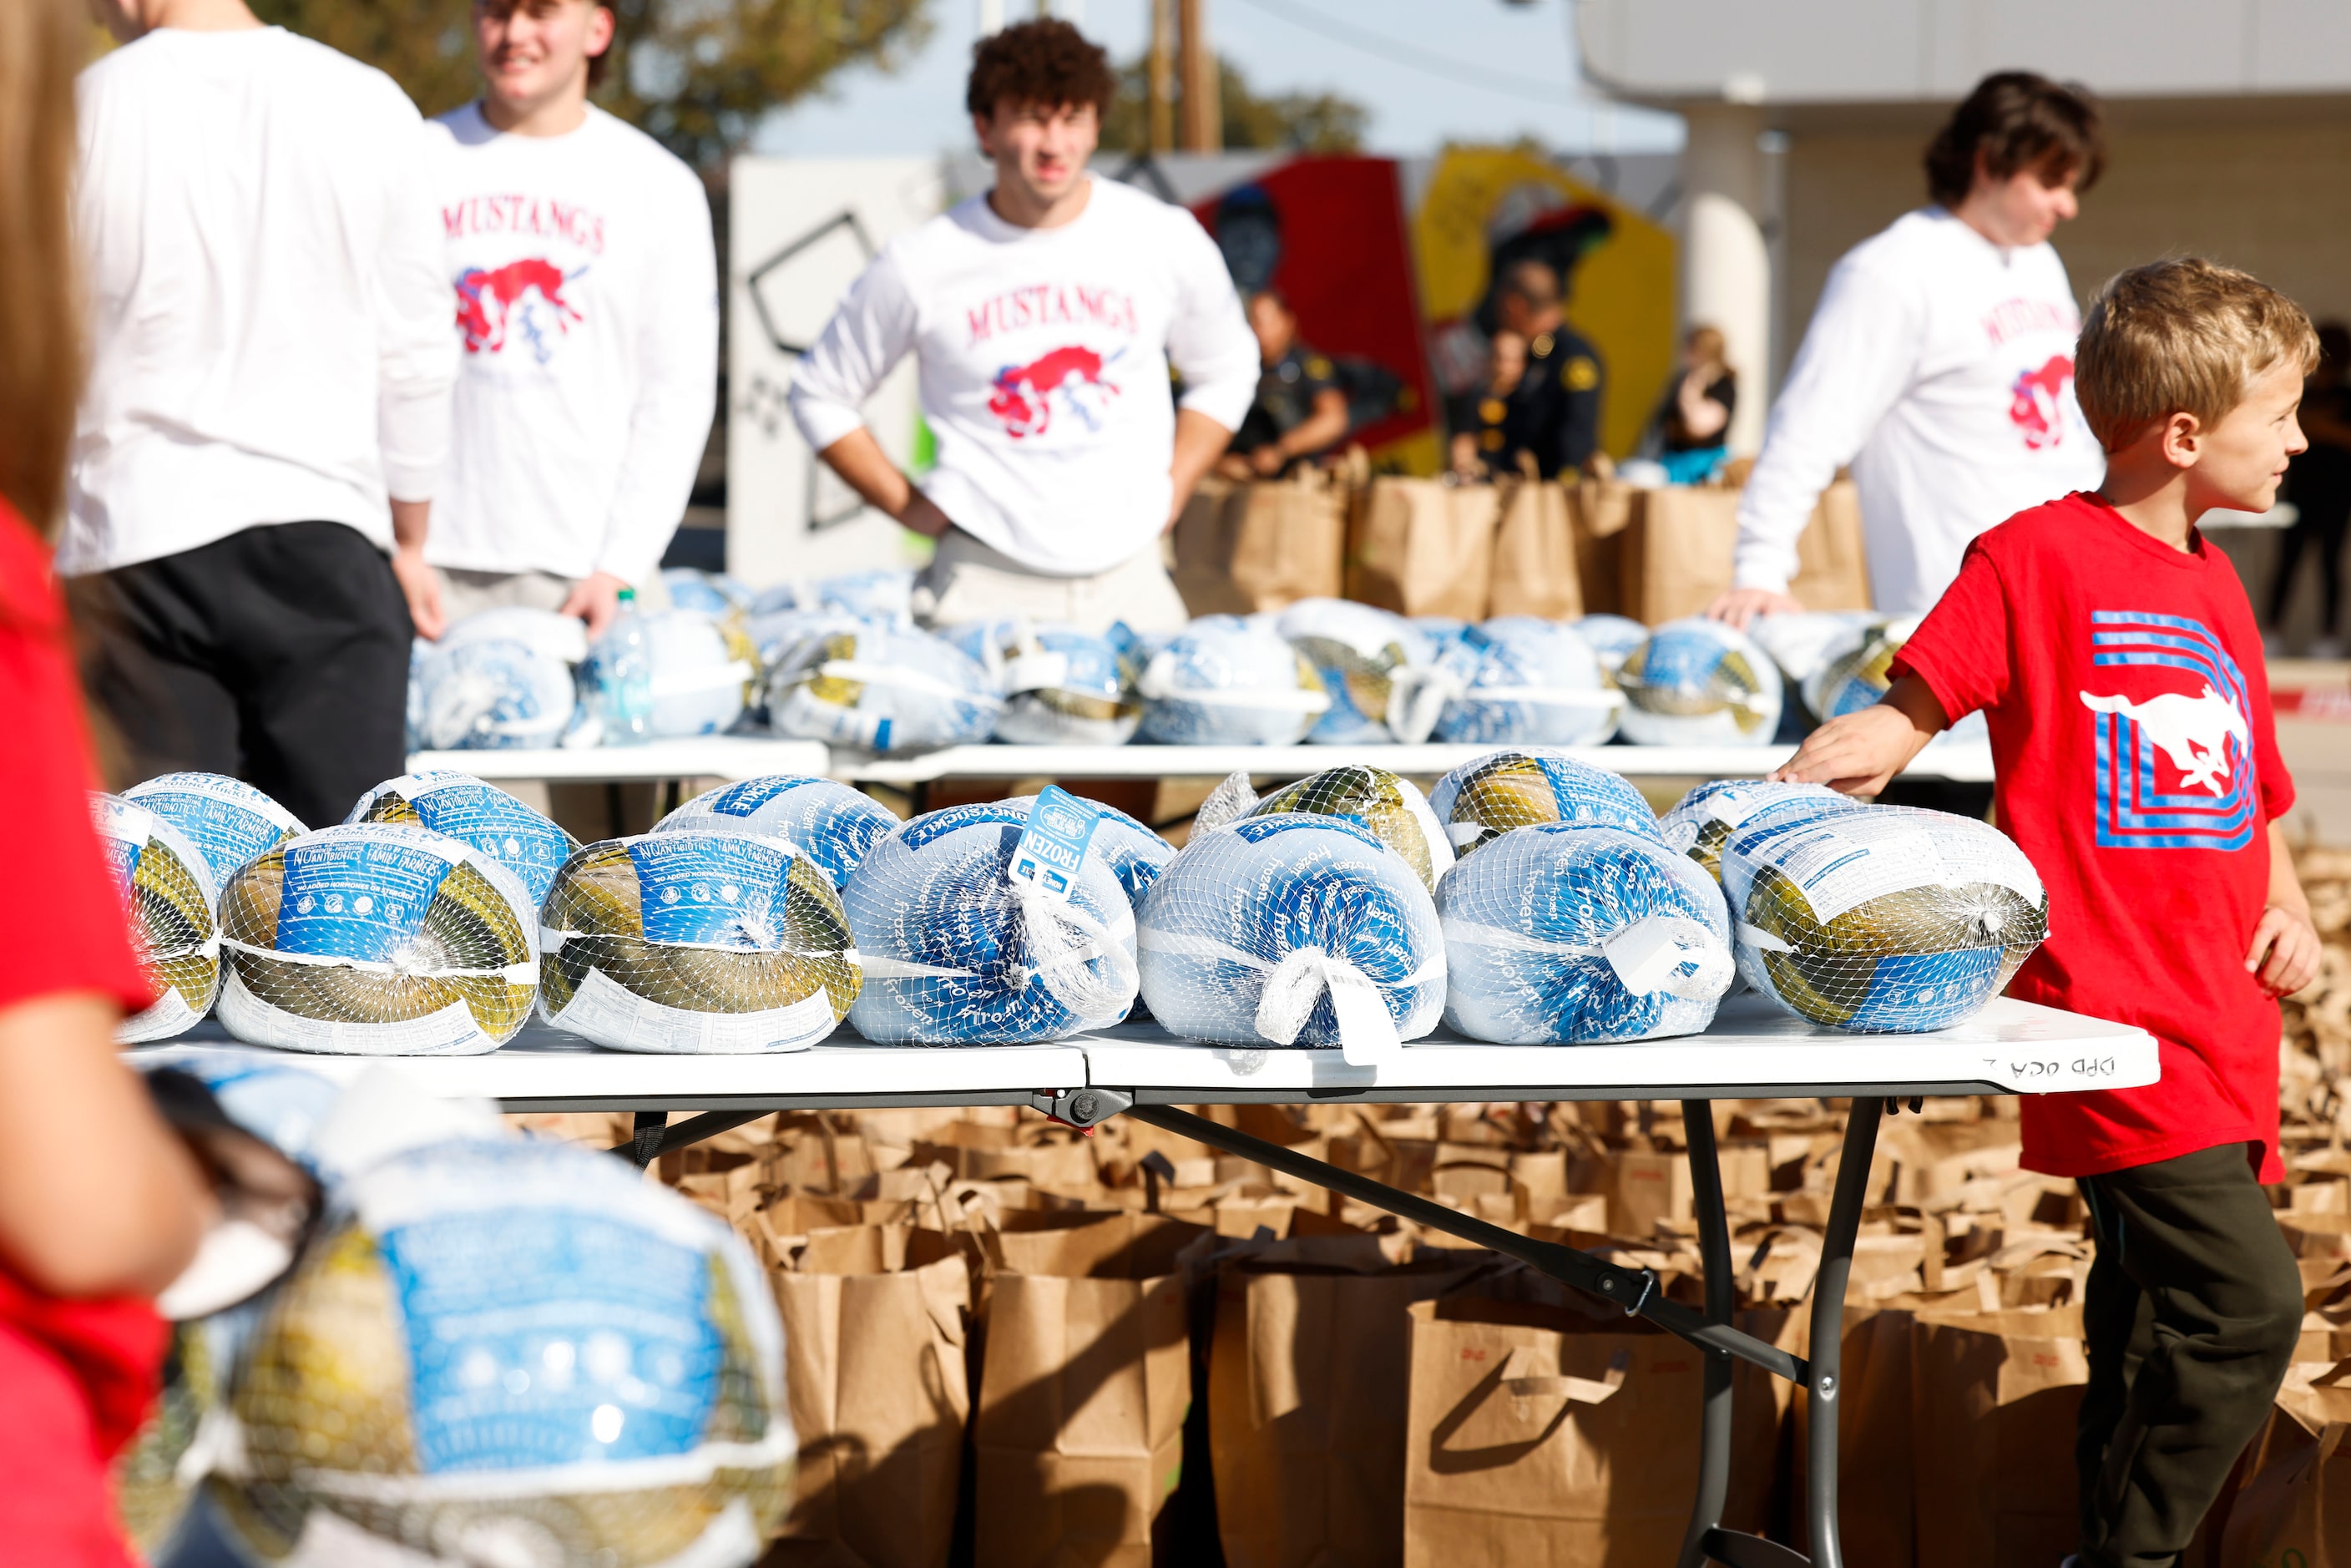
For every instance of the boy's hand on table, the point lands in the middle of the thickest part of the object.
(1860, 753)
(2284, 954)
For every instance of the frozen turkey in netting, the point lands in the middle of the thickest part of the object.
(1699, 682)
(227, 820)
(378, 939)
(1482, 800)
(491, 693)
(1292, 930)
(713, 592)
(1361, 652)
(1610, 638)
(958, 951)
(881, 689)
(1223, 681)
(563, 637)
(169, 895)
(832, 824)
(696, 671)
(1701, 820)
(1856, 669)
(1880, 918)
(510, 1351)
(1514, 679)
(696, 940)
(1061, 686)
(464, 808)
(1389, 805)
(1798, 641)
(1560, 935)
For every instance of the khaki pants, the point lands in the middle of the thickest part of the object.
(464, 591)
(967, 580)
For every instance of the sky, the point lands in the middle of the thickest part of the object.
(1497, 73)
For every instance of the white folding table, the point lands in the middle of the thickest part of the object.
(1139, 1070)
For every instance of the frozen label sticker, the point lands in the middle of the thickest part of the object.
(359, 896)
(1052, 846)
(498, 825)
(711, 890)
(536, 1343)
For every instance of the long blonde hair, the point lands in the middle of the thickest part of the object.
(43, 44)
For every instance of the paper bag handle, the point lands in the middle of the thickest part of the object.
(1520, 1384)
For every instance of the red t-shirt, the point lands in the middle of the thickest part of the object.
(2138, 770)
(76, 1376)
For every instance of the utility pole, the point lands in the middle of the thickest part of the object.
(1159, 77)
(1204, 118)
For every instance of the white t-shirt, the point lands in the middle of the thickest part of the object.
(1940, 366)
(1044, 356)
(269, 336)
(587, 305)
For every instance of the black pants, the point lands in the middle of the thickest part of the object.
(2192, 1311)
(279, 655)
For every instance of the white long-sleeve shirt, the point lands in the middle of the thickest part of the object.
(269, 325)
(1044, 357)
(586, 294)
(1940, 366)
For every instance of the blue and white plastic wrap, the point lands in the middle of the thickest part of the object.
(172, 906)
(1799, 641)
(881, 690)
(561, 637)
(1855, 668)
(1701, 820)
(464, 808)
(696, 680)
(1388, 806)
(1223, 681)
(510, 1351)
(1558, 935)
(1292, 930)
(1482, 800)
(492, 695)
(1515, 680)
(1699, 682)
(227, 820)
(1363, 654)
(1061, 686)
(713, 592)
(958, 953)
(775, 633)
(832, 824)
(1611, 637)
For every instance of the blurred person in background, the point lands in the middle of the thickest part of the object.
(1478, 417)
(100, 1203)
(1691, 428)
(1300, 410)
(1552, 412)
(1939, 361)
(1043, 316)
(268, 402)
(587, 304)
(2319, 485)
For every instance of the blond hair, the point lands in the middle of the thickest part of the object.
(2182, 336)
(43, 44)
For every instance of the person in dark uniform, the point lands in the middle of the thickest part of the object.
(1553, 414)
(1300, 410)
(2319, 485)
(1478, 415)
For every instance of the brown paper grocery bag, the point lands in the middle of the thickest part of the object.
(1602, 511)
(874, 1371)
(1676, 555)
(1538, 1434)
(1079, 1434)
(1309, 1375)
(1993, 1396)
(1876, 1489)
(1262, 543)
(1423, 547)
(1534, 570)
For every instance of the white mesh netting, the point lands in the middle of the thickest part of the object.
(881, 689)
(683, 671)
(1390, 806)
(1855, 668)
(1479, 801)
(1514, 679)
(1561, 934)
(1610, 638)
(376, 938)
(1701, 820)
(1879, 917)
(464, 808)
(227, 820)
(698, 940)
(1292, 930)
(1699, 682)
(1360, 652)
(508, 1351)
(832, 824)
(170, 896)
(1223, 681)
(956, 952)
(1061, 686)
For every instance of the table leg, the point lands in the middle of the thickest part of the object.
(653, 1136)
(1825, 1389)
(1714, 1251)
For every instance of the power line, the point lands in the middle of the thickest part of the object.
(1404, 54)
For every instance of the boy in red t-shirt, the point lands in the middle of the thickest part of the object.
(2118, 667)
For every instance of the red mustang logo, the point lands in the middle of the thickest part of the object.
(2036, 404)
(1023, 394)
(493, 304)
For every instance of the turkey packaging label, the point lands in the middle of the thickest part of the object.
(170, 899)
(710, 890)
(231, 822)
(360, 898)
(1052, 843)
(834, 825)
(1853, 857)
(461, 807)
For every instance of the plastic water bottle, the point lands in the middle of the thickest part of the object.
(622, 693)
